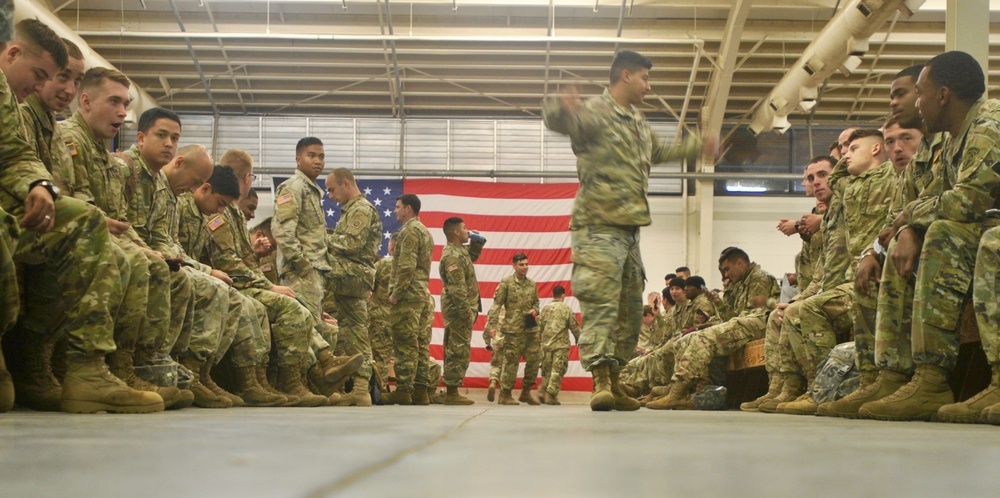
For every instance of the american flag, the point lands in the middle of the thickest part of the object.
(514, 217)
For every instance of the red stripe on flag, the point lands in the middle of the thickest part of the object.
(480, 323)
(536, 257)
(499, 223)
(487, 289)
(489, 190)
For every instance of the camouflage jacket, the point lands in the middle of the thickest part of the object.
(917, 175)
(380, 292)
(667, 324)
(517, 297)
(192, 236)
(699, 311)
(411, 263)
(353, 247)
(615, 148)
(556, 318)
(268, 265)
(19, 164)
(229, 250)
(836, 258)
(299, 226)
(738, 300)
(460, 288)
(45, 137)
(966, 179)
(152, 208)
(867, 201)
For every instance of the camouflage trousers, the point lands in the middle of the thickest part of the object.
(182, 300)
(496, 359)
(433, 373)
(656, 368)
(777, 348)
(78, 253)
(310, 289)
(944, 282)
(211, 309)
(352, 318)
(412, 361)
(247, 336)
(457, 341)
(291, 325)
(380, 337)
(893, 318)
(10, 296)
(813, 333)
(985, 296)
(554, 365)
(864, 313)
(608, 279)
(158, 326)
(694, 358)
(527, 345)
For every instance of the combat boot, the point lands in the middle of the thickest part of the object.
(602, 399)
(624, 402)
(551, 399)
(991, 415)
(89, 387)
(803, 405)
(452, 397)
(678, 399)
(333, 369)
(6, 386)
(919, 399)
(251, 392)
(397, 397)
(527, 397)
(886, 383)
(121, 366)
(358, 396)
(438, 398)
(260, 371)
(773, 390)
(206, 378)
(34, 384)
(792, 387)
(419, 396)
(290, 381)
(203, 396)
(969, 411)
(491, 393)
(506, 398)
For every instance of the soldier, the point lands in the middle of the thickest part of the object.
(517, 296)
(460, 304)
(747, 303)
(656, 366)
(610, 207)
(268, 262)
(987, 303)
(411, 266)
(942, 229)
(378, 316)
(248, 205)
(58, 233)
(353, 247)
(555, 320)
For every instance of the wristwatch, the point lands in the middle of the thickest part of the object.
(51, 187)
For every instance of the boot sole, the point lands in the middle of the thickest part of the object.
(959, 419)
(79, 406)
(491, 394)
(213, 406)
(344, 370)
(925, 417)
(602, 402)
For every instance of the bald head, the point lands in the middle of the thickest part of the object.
(190, 169)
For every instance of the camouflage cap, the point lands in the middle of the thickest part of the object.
(262, 224)
(6, 20)
(710, 398)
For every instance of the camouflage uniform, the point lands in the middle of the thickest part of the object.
(411, 267)
(615, 148)
(985, 298)
(353, 247)
(78, 245)
(777, 348)
(949, 214)
(378, 316)
(460, 306)
(299, 227)
(269, 267)
(431, 377)
(553, 322)
(517, 297)
(720, 340)
(895, 292)
(103, 179)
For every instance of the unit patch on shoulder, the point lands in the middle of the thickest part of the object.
(265, 267)
(72, 149)
(283, 199)
(452, 268)
(215, 223)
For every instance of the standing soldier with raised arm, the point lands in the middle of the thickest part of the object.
(460, 304)
(556, 319)
(615, 148)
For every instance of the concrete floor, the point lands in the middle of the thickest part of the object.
(488, 450)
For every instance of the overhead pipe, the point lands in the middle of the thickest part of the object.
(493, 173)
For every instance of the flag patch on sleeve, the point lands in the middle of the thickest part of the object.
(283, 199)
(215, 223)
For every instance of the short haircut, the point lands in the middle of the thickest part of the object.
(306, 142)
(72, 50)
(823, 157)
(558, 291)
(732, 254)
(224, 182)
(264, 224)
(960, 72)
(669, 276)
(95, 76)
(667, 297)
(695, 281)
(647, 310)
(833, 146)
(519, 257)
(682, 269)
(911, 72)
(866, 133)
(252, 194)
(341, 174)
(239, 160)
(677, 282)
(150, 116)
(451, 224)
(630, 61)
(39, 38)
(410, 200)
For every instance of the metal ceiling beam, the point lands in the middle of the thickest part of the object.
(493, 173)
(225, 56)
(194, 58)
(257, 36)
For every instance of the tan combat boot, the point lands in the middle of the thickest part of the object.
(506, 398)
(886, 383)
(792, 387)
(260, 372)
(89, 387)
(678, 399)
(919, 399)
(290, 382)
(491, 393)
(397, 397)
(865, 379)
(438, 398)
(527, 397)
(6, 386)
(969, 411)
(358, 396)
(602, 399)
(452, 397)
(121, 366)
(34, 384)
(251, 392)
(333, 368)
(623, 401)
(773, 390)
(203, 396)
(206, 379)
(991, 415)
(419, 396)
(551, 399)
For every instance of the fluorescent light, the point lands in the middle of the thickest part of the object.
(745, 189)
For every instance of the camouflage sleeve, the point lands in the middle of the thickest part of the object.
(351, 235)
(762, 286)
(574, 326)
(283, 225)
(534, 297)
(836, 179)
(221, 254)
(406, 264)
(475, 249)
(499, 300)
(664, 152)
(579, 125)
(454, 279)
(19, 165)
(975, 189)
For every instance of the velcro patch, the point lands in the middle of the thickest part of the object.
(283, 199)
(452, 268)
(265, 267)
(215, 223)
(72, 149)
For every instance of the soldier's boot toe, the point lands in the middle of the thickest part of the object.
(397, 397)
(970, 410)
(624, 402)
(804, 405)
(356, 397)
(527, 397)
(773, 389)
(491, 393)
(452, 397)
(886, 382)
(260, 372)
(793, 385)
(420, 396)
(337, 368)
(506, 398)
(919, 399)
(290, 381)
(678, 399)
(552, 399)
(248, 388)
(89, 387)
(602, 399)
